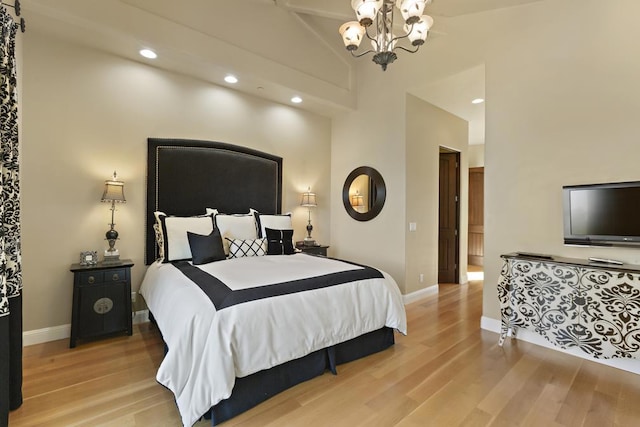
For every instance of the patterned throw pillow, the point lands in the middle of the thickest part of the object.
(279, 242)
(159, 242)
(244, 248)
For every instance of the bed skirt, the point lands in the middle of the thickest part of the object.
(254, 389)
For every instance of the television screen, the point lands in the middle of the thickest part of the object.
(602, 213)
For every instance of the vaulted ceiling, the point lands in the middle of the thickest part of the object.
(278, 48)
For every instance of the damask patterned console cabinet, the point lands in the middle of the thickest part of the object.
(572, 303)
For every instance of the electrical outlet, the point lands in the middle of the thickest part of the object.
(421, 278)
(413, 226)
(134, 296)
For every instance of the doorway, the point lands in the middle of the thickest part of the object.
(449, 217)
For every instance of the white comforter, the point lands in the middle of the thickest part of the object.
(208, 349)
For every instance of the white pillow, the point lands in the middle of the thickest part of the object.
(174, 233)
(239, 248)
(242, 227)
(276, 222)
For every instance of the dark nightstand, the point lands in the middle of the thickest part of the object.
(313, 250)
(101, 300)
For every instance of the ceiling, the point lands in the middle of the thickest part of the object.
(277, 48)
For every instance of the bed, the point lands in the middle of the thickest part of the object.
(250, 318)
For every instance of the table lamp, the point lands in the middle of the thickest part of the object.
(309, 201)
(114, 193)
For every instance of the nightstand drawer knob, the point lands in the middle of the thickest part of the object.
(91, 280)
(103, 306)
(116, 277)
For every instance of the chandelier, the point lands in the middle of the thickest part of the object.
(384, 41)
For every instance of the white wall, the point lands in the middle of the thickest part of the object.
(476, 155)
(373, 135)
(86, 113)
(428, 129)
(562, 109)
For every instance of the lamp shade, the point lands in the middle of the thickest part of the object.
(417, 32)
(308, 199)
(411, 9)
(366, 10)
(352, 33)
(113, 190)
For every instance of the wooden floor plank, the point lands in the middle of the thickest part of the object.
(445, 372)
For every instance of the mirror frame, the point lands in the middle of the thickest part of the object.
(380, 193)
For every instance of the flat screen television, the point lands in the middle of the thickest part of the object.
(602, 214)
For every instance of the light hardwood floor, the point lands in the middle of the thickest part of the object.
(446, 372)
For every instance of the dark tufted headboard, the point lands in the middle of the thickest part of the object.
(184, 177)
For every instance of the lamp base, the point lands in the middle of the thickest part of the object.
(111, 257)
(308, 241)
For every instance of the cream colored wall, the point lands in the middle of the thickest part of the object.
(562, 109)
(475, 154)
(428, 129)
(373, 135)
(402, 142)
(86, 113)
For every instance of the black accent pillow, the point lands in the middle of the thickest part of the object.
(279, 242)
(205, 249)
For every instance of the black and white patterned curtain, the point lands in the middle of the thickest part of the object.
(10, 267)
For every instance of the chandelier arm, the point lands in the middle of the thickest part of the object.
(366, 33)
(395, 39)
(407, 50)
(362, 54)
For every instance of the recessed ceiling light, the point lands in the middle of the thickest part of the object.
(148, 53)
(477, 101)
(231, 79)
(296, 100)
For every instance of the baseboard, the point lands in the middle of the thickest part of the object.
(493, 325)
(418, 295)
(39, 336)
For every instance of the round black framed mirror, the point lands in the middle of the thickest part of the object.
(364, 193)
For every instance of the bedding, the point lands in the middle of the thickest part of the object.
(230, 319)
(278, 222)
(279, 242)
(172, 234)
(239, 248)
(235, 226)
(206, 249)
